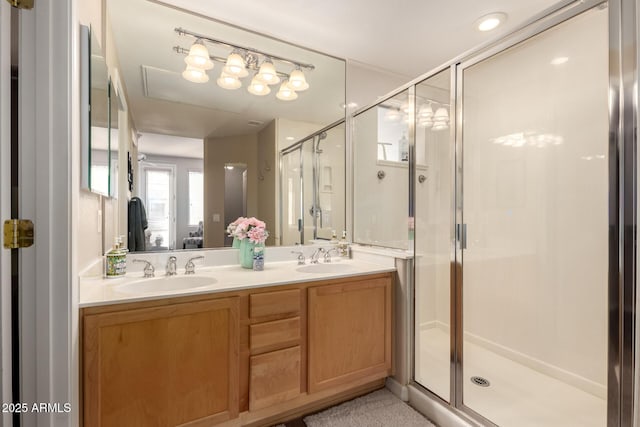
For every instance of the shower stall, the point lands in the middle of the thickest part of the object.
(312, 182)
(520, 195)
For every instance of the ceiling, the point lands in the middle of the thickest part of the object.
(407, 37)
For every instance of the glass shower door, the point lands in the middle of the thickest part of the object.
(434, 191)
(534, 214)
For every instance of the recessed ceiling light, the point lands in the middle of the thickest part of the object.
(348, 105)
(290, 138)
(490, 21)
(559, 60)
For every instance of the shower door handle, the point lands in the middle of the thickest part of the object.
(461, 235)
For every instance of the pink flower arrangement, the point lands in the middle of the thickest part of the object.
(251, 228)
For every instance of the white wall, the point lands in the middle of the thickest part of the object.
(365, 84)
(381, 206)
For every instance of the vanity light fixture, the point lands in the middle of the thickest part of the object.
(238, 64)
(195, 75)
(227, 81)
(491, 21)
(286, 93)
(441, 119)
(267, 73)
(199, 56)
(297, 81)
(258, 87)
(235, 65)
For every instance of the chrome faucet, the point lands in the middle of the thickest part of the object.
(149, 271)
(171, 266)
(327, 254)
(316, 255)
(301, 259)
(190, 268)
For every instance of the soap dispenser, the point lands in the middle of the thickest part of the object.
(116, 259)
(343, 245)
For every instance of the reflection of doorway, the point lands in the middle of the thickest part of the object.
(235, 195)
(159, 198)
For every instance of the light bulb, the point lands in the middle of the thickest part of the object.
(297, 81)
(195, 75)
(268, 73)
(226, 81)
(258, 87)
(286, 93)
(199, 56)
(235, 65)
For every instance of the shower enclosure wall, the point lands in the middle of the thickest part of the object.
(511, 175)
(312, 183)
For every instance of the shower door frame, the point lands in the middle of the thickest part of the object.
(622, 171)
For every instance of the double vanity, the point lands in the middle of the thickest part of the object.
(230, 346)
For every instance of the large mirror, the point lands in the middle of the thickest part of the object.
(202, 153)
(96, 148)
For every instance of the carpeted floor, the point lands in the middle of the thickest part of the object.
(378, 409)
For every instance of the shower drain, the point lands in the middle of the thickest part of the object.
(482, 382)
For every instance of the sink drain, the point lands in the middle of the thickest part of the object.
(482, 382)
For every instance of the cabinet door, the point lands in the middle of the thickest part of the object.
(349, 332)
(275, 378)
(162, 366)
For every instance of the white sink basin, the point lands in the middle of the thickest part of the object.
(165, 284)
(326, 268)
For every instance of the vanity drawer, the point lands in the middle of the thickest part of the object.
(274, 378)
(274, 303)
(273, 335)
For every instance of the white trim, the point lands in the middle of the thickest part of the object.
(5, 205)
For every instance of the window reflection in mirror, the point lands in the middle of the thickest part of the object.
(232, 126)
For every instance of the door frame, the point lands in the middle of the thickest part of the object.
(5, 207)
(49, 159)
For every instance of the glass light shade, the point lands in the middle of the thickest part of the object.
(426, 111)
(199, 56)
(286, 93)
(258, 87)
(392, 115)
(235, 66)
(195, 75)
(442, 114)
(297, 81)
(267, 73)
(226, 81)
(440, 126)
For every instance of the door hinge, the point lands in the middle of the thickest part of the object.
(21, 4)
(18, 233)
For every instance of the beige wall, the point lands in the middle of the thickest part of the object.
(218, 152)
(267, 180)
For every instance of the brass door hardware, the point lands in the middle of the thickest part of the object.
(18, 233)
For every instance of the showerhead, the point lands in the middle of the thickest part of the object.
(321, 136)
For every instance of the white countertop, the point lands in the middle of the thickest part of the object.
(96, 291)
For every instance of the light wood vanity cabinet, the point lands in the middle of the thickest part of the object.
(164, 366)
(349, 332)
(251, 358)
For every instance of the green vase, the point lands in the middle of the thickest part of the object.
(236, 243)
(246, 253)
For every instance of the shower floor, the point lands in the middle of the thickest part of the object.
(518, 395)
